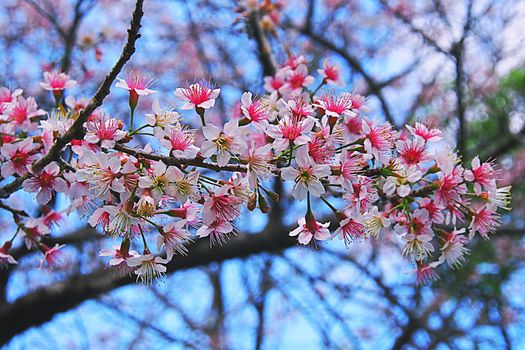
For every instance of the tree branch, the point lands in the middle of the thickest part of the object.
(76, 130)
(179, 161)
(40, 306)
(263, 46)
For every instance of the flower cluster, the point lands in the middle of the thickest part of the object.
(193, 182)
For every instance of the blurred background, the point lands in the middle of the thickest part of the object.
(458, 64)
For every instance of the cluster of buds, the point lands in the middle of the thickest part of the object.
(192, 182)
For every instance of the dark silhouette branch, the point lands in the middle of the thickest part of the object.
(263, 46)
(40, 306)
(76, 130)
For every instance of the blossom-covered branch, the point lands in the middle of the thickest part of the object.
(406, 185)
(76, 130)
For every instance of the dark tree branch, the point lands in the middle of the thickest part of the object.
(40, 306)
(76, 130)
(179, 161)
(263, 46)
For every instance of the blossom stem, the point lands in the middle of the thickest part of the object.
(200, 112)
(14, 236)
(312, 94)
(290, 154)
(136, 131)
(144, 133)
(210, 179)
(308, 206)
(143, 238)
(356, 142)
(334, 209)
(131, 119)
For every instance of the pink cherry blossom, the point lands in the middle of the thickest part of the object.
(330, 74)
(421, 130)
(52, 256)
(482, 174)
(378, 140)
(307, 176)
(104, 131)
(484, 221)
(306, 231)
(18, 156)
(352, 227)
(218, 231)
(148, 267)
(254, 109)
(179, 140)
(136, 83)
(290, 131)
(7, 97)
(103, 174)
(45, 183)
(174, 236)
(223, 143)
(425, 274)
(335, 106)
(453, 250)
(23, 114)
(221, 206)
(120, 259)
(299, 78)
(412, 152)
(198, 95)
(5, 258)
(57, 81)
(258, 161)
(276, 83)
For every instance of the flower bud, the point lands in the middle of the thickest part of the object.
(273, 196)
(252, 202)
(263, 204)
(133, 99)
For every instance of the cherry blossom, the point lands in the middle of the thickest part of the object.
(290, 131)
(137, 84)
(259, 163)
(481, 174)
(46, 183)
(120, 258)
(335, 106)
(23, 113)
(198, 95)
(57, 81)
(174, 236)
(484, 221)
(169, 182)
(218, 232)
(421, 130)
(104, 131)
(330, 74)
(18, 156)
(307, 176)
(161, 118)
(254, 110)
(5, 257)
(309, 229)
(148, 267)
(179, 140)
(223, 143)
(352, 227)
(52, 256)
